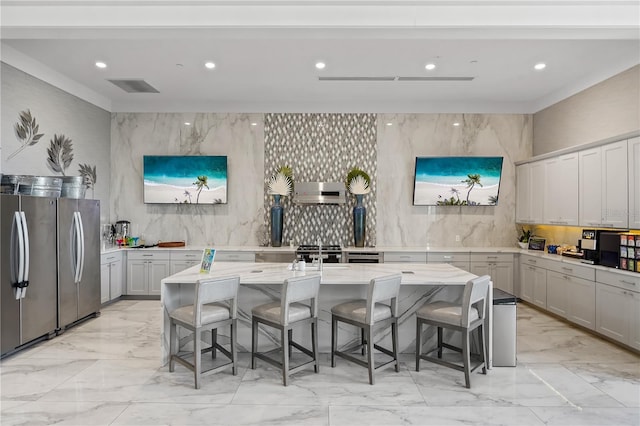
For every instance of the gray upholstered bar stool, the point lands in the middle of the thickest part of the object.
(285, 314)
(367, 315)
(465, 318)
(206, 313)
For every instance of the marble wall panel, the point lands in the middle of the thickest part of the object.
(236, 223)
(399, 223)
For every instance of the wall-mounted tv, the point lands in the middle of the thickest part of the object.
(185, 179)
(457, 181)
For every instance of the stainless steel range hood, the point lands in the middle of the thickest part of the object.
(319, 193)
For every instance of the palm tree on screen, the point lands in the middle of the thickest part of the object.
(201, 183)
(471, 181)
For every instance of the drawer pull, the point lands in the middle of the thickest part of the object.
(147, 255)
(531, 261)
(564, 268)
(447, 257)
(492, 257)
(627, 282)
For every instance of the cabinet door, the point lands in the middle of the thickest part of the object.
(634, 316)
(634, 182)
(561, 190)
(540, 287)
(611, 318)
(104, 283)
(523, 193)
(181, 265)
(480, 269)
(590, 187)
(158, 269)
(615, 185)
(137, 281)
(527, 277)
(581, 302)
(502, 276)
(557, 293)
(536, 206)
(115, 280)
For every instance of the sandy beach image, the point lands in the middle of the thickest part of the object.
(427, 193)
(159, 193)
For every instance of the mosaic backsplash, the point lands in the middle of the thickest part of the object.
(321, 148)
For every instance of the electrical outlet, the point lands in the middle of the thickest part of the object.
(457, 238)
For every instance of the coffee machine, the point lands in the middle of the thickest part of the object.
(588, 245)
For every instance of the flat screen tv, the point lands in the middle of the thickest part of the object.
(457, 181)
(185, 179)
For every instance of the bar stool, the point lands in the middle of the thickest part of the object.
(284, 315)
(465, 318)
(205, 315)
(367, 314)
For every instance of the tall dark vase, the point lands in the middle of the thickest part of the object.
(359, 221)
(276, 222)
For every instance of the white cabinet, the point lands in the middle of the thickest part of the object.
(181, 260)
(235, 256)
(459, 260)
(618, 307)
(405, 257)
(533, 282)
(557, 293)
(603, 186)
(561, 190)
(530, 192)
(634, 182)
(499, 266)
(145, 270)
(581, 298)
(110, 276)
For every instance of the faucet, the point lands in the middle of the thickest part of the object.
(319, 242)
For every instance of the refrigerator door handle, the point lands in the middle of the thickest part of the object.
(17, 222)
(81, 228)
(25, 273)
(76, 248)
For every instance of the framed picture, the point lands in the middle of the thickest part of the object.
(208, 255)
(536, 243)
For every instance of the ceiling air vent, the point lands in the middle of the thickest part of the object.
(435, 78)
(134, 86)
(356, 78)
(397, 78)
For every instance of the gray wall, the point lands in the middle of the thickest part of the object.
(603, 111)
(56, 112)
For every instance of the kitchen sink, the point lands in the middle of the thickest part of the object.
(328, 266)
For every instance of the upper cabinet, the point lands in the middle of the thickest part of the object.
(634, 182)
(529, 192)
(561, 190)
(604, 186)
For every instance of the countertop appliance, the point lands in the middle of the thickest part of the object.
(27, 270)
(609, 251)
(319, 193)
(330, 254)
(123, 229)
(588, 246)
(364, 257)
(78, 260)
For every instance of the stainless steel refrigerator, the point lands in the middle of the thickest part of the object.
(78, 260)
(28, 282)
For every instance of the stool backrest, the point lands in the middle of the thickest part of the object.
(209, 290)
(475, 293)
(298, 289)
(382, 289)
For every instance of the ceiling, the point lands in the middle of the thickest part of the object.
(262, 68)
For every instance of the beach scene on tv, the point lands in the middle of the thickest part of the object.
(457, 181)
(185, 179)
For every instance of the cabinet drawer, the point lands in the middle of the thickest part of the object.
(619, 280)
(534, 261)
(413, 257)
(235, 256)
(491, 257)
(194, 255)
(110, 257)
(567, 268)
(148, 255)
(448, 257)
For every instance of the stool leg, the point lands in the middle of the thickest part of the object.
(173, 345)
(363, 341)
(254, 342)
(439, 342)
(214, 341)
(197, 356)
(370, 354)
(465, 358)
(418, 343)
(314, 344)
(285, 356)
(334, 340)
(234, 352)
(394, 338)
(483, 349)
(290, 340)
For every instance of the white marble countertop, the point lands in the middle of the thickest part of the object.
(332, 274)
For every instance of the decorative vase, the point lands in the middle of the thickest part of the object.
(276, 222)
(359, 221)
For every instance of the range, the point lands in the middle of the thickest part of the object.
(330, 254)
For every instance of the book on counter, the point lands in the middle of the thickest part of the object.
(208, 255)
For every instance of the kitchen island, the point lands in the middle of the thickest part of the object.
(261, 282)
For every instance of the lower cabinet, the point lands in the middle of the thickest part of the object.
(110, 277)
(498, 266)
(405, 257)
(181, 260)
(572, 298)
(145, 270)
(235, 256)
(533, 284)
(618, 308)
(459, 260)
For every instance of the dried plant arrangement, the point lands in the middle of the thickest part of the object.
(26, 132)
(89, 175)
(60, 153)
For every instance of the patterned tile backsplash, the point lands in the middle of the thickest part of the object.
(321, 148)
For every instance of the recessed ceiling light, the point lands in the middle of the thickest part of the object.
(540, 66)
(456, 124)
(320, 65)
(389, 124)
(254, 124)
(430, 67)
(186, 123)
(210, 65)
(100, 64)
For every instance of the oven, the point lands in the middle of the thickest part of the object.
(309, 253)
(363, 257)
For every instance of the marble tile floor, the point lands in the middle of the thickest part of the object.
(106, 372)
